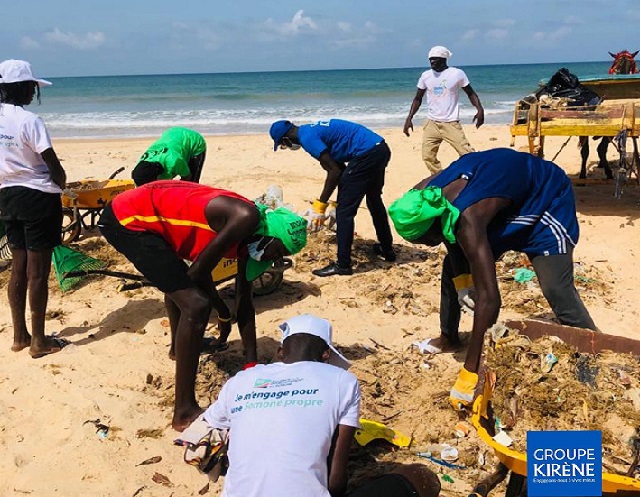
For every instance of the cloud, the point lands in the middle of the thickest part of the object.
(299, 24)
(503, 23)
(366, 36)
(470, 34)
(345, 27)
(497, 34)
(552, 36)
(29, 43)
(573, 20)
(86, 41)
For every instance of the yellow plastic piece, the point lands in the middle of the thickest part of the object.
(372, 430)
(463, 281)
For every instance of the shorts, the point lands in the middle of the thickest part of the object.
(389, 485)
(33, 219)
(150, 254)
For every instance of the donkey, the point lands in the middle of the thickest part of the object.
(624, 63)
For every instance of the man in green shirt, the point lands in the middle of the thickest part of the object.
(178, 152)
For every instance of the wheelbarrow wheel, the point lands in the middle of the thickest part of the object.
(271, 280)
(71, 227)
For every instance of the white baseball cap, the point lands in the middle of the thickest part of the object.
(16, 71)
(313, 325)
(439, 51)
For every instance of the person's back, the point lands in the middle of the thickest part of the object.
(344, 139)
(535, 187)
(175, 210)
(282, 418)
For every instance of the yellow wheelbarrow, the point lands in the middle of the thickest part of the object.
(83, 201)
(515, 463)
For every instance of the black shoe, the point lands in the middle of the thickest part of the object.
(333, 269)
(388, 255)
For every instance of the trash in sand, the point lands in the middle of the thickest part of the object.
(449, 454)
(427, 455)
(503, 439)
(461, 429)
(522, 275)
(372, 430)
(447, 478)
(547, 362)
(101, 429)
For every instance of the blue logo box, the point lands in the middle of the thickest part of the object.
(564, 463)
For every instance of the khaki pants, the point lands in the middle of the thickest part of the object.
(434, 133)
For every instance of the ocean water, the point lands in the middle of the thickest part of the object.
(244, 103)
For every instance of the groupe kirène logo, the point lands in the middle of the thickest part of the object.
(564, 463)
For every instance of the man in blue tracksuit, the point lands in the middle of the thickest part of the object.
(355, 159)
(482, 205)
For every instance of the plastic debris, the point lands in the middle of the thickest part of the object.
(547, 362)
(522, 275)
(372, 430)
(503, 439)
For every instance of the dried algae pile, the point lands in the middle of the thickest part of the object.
(548, 385)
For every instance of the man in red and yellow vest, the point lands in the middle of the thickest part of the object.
(159, 225)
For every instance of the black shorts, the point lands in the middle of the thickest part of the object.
(149, 253)
(390, 485)
(33, 219)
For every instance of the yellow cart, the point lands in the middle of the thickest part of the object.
(83, 201)
(515, 463)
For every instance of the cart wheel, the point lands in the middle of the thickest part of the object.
(271, 280)
(71, 226)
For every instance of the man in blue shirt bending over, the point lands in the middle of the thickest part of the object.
(355, 159)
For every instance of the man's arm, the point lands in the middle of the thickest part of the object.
(475, 101)
(472, 237)
(415, 105)
(338, 460)
(334, 171)
(58, 175)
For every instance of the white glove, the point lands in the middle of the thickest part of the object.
(466, 292)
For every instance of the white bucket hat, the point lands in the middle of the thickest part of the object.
(439, 51)
(16, 71)
(313, 325)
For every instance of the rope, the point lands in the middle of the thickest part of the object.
(561, 147)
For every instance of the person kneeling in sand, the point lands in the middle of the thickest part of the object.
(178, 152)
(481, 206)
(291, 423)
(159, 225)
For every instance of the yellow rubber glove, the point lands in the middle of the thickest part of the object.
(317, 215)
(462, 393)
(466, 292)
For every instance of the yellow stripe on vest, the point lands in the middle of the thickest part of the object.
(174, 222)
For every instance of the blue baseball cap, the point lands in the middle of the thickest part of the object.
(278, 130)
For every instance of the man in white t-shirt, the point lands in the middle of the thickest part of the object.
(290, 423)
(441, 83)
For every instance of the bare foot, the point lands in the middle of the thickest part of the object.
(20, 344)
(52, 344)
(183, 419)
(445, 345)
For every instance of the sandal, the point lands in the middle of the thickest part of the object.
(58, 344)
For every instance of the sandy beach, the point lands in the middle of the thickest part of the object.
(117, 372)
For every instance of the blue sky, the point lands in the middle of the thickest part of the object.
(100, 37)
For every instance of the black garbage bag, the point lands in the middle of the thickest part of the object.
(564, 84)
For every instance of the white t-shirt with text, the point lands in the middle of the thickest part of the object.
(281, 420)
(442, 89)
(23, 137)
